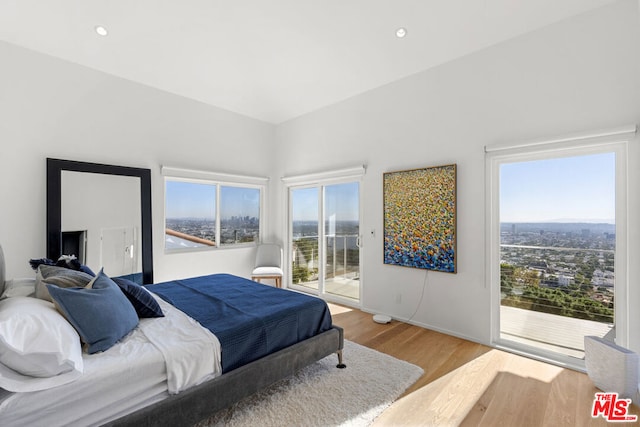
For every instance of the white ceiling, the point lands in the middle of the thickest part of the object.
(272, 60)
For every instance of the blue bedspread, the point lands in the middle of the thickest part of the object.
(250, 320)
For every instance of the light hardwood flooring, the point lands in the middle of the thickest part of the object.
(469, 384)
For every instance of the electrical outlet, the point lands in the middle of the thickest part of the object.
(398, 298)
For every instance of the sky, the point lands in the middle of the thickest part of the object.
(196, 200)
(571, 189)
(341, 200)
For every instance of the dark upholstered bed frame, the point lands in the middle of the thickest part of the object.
(199, 402)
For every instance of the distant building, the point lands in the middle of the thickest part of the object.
(603, 278)
(565, 280)
(540, 265)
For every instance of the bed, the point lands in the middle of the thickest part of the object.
(236, 347)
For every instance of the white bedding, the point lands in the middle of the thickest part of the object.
(161, 356)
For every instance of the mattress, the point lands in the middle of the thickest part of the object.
(162, 355)
(250, 320)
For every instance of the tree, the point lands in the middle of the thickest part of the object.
(507, 278)
(530, 277)
(306, 250)
(300, 274)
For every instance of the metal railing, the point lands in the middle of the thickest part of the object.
(570, 282)
(342, 257)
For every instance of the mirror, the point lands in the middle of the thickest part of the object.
(102, 214)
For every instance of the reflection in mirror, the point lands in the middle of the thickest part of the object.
(103, 231)
(101, 214)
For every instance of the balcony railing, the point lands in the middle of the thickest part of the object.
(571, 282)
(342, 257)
(552, 296)
(189, 237)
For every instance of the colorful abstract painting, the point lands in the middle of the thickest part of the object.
(420, 218)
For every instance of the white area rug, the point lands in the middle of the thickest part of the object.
(323, 395)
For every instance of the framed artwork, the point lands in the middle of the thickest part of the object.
(420, 218)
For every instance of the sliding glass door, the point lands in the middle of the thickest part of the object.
(324, 240)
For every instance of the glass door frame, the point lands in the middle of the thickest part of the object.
(539, 151)
(320, 184)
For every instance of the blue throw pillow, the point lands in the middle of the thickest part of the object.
(86, 269)
(100, 312)
(144, 303)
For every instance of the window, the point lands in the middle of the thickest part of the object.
(557, 245)
(202, 213)
(190, 214)
(240, 215)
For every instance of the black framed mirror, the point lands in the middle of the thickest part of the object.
(57, 235)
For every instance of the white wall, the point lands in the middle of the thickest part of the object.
(579, 75)
(52, 108)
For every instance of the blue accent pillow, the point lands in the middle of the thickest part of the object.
(100, 312)
(86, 269)
(144, 303)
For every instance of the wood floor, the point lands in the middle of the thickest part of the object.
(469, 384)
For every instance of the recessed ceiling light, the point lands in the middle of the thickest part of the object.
(100, 30)
(401, 32)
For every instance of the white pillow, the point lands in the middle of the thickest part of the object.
(19, 288)
(39, 349)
